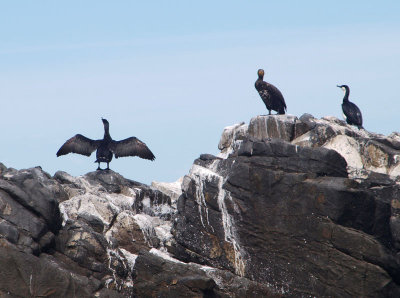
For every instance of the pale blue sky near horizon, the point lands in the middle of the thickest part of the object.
(175, 73)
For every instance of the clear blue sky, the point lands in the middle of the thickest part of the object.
(175, 73)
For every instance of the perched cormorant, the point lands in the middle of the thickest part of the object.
(106, 147)
(351, 112)
(270, 95)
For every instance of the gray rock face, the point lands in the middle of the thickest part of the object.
(172, 278)
(290, 207)
(364, 152)
(287, 215)
(91, 227)
(97, 235)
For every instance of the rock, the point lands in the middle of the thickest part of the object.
(272, 126)
(173, 190)
(89, 227)
(35, 191)
(31, 276)
(8, 231)
(363, 151)
(289, 217)
(20, 216)
(3, 169)
(158, 275)
(230, 134)
(289, 207)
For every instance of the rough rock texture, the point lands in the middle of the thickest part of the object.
(76, 236)
(290, 207)
(278, 207)
(98, 235)
(365, 152)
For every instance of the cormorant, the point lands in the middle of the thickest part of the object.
(106, 147)
(270, 95)
(351, 112)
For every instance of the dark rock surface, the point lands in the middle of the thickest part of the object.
(61, 236)
(290, 207)
(171, 278)
(289, 217)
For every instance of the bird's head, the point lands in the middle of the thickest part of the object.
(105, 123)
(260, 73)
(343, 87)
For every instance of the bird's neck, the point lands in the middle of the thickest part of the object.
(346, 96)
(107, 134)
(260, 78)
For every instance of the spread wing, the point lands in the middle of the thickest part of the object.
(352, 113)
(79, 144)
(131, 147)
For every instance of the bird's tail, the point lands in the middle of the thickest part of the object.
(281, 111)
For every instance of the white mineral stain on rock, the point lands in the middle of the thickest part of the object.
(375, 159)
(304, 140)
(130, 257)
(198, 174)
(103, 206)
(272, 126)
(173, 190)
(165, 255)
(347, 147)
(163, 232)
(231, 137)
(144, 221)
(395, 171)
(202, 175)
(146, 202)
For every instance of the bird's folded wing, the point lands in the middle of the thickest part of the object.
(79, 144)
(276, 93)
(131, 147)
(353, 113)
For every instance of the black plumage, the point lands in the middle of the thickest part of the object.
(351, 112)
(271, 96)
(106, 147)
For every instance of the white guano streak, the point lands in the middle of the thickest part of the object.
(201, 174)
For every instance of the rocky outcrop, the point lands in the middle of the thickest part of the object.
(364, 152)
(98, 235)
(290, 207)
(281, 208)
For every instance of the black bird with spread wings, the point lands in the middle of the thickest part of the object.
(351, 112)
(271, 96)
(106, 147)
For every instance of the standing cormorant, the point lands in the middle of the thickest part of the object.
(106, 147)
(270, 95)
(351, 112)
